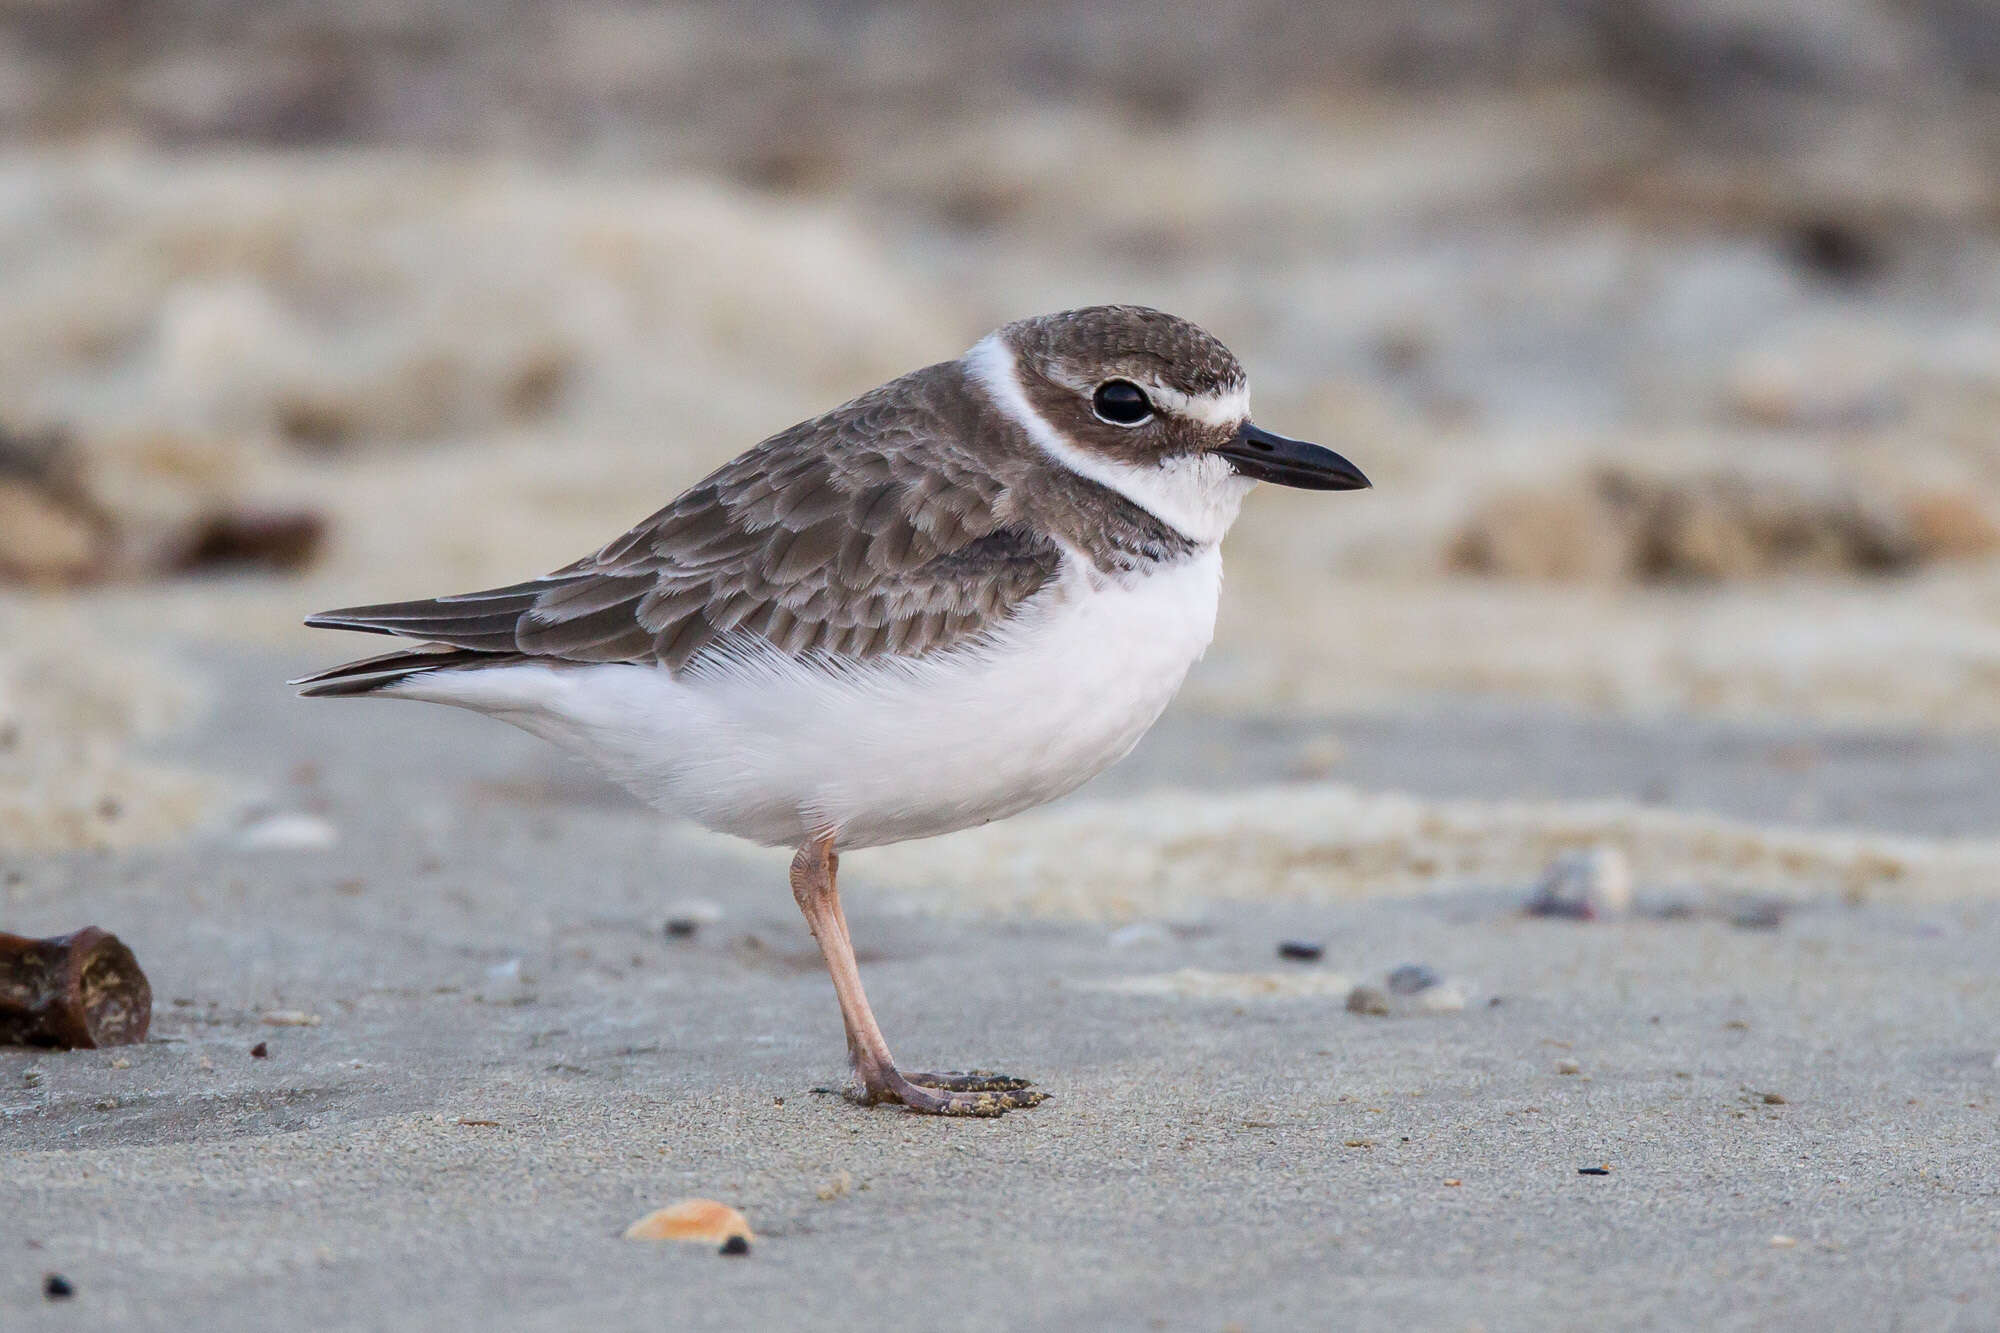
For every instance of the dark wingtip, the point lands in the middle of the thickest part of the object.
(343, 620)
(371, 674)
(346, 689)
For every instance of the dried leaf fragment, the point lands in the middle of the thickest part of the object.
(702, 1220)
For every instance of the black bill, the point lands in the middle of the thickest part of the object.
(1267, 457)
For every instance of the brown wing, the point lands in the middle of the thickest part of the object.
(866, 532)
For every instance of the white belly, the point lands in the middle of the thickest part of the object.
(776, 753)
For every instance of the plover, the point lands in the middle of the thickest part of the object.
(958, 596)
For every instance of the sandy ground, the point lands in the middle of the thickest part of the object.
(1667, 334)
(1799, 1122)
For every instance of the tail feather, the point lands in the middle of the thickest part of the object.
(371, 674)
(468, 630)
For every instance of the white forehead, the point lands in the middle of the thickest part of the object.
(1226, 407)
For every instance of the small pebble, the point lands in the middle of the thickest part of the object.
(834, 1186)
(1367, 1000)
(56, 1287)
(1591, 884)
(1837, 250)
(735, 1246)
(1301, 951)
(689, 915)
(1774, 1099)
(290, 1018)
(260, 1051)
(1568, 1067)
(1765, 914)
(1593, 1171)
(1411, 978)
(1783, 1242)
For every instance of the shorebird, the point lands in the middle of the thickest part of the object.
(960, 595)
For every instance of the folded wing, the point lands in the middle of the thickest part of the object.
(865, 533)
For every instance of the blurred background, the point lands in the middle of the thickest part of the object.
(1669, 330)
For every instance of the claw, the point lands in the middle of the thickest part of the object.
(969, 1080)
(979, 1092)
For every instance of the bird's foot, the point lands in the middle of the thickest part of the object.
(978, 1092)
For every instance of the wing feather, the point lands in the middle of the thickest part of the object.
(868, 531)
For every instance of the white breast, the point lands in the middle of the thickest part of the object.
(775, 752)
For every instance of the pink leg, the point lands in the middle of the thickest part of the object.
(815, 872)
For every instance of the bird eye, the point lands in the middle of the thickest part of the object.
(1122, 403)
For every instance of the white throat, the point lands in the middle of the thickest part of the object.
(1197, 495)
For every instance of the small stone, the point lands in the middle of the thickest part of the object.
(1301, 951)
(1837, 250)
(1592, 884)
(1593, 1171)
(56, 1287)
(735, 1247)
(1410, 992)
(1783, 1242)
(1453, 1182)
(1411, 978)
(1568, 1067)
(1367, 1000)
(1760, 914)
(686, 918)
(1774, 1099)
(260, 1051)
(290, 1018)
(834, 1187)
